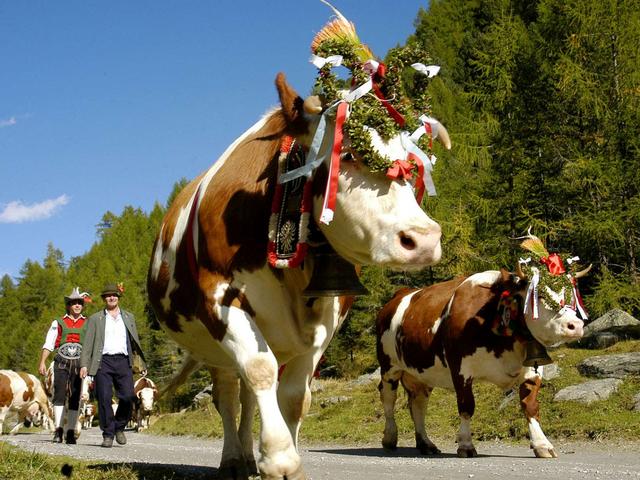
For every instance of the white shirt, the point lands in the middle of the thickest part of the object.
(115, 335)
(52, 334)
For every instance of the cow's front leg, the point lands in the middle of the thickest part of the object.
(466, 408)
(244, 343)
(529, 388)
(388, 394)
(245, 431)
(418, 400)
(225, 398)
(294, 392)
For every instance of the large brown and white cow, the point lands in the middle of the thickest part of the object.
(146, 394)
(452, 334)
(22, 393)
(215, 294)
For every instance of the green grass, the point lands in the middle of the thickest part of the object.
(16, 464)
(360, 420)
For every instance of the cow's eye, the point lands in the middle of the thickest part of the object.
(347, 157)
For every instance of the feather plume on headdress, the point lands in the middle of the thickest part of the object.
(535, 246)
(341, 30)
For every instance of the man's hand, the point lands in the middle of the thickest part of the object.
(144, 372)
(42, 369)
(83, 372)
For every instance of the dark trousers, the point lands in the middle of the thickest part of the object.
(66, 382)
(114, 373)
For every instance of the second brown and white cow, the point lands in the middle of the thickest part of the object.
(451, 335)
(22, 393)
(146, 395)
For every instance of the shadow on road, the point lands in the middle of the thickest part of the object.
(161, 471)
(400, 452)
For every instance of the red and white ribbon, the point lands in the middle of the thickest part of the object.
(329, 202)
(531, 300)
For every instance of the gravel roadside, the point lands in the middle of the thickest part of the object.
(198, 458)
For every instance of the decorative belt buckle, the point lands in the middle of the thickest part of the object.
(70, 351)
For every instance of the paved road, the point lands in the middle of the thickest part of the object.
(195, 458)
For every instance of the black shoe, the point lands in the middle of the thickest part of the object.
(120, 438)
(57, 436)
(71, 437)
(107, 442)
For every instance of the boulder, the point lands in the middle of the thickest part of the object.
(367, 378)
(550, 371)
(592, 391)
(203, 397)
(610, 328)
(611, 366)
(636, 403)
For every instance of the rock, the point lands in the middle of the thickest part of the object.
(367, 378)
(616, 321)
(550, 371)
(610, 328)
(588, 392)
(317, 385)
(203, 397)
(636, 403)
(606, 366)
(333, 400)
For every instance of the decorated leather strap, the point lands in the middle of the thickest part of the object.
(290, 211)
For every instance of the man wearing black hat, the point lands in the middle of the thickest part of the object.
(111, 350)
(66, 336)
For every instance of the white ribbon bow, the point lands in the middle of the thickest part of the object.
(429, 70)
(333, 60)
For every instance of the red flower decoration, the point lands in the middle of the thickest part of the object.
(554, 264)
(400, 169)
(120, 287)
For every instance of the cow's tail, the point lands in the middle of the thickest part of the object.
(189, 365)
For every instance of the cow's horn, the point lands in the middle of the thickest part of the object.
(519, 271)
(583, 272)
(312, 105)
(443, 136)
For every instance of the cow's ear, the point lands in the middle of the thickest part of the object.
(292, 106)
(505, 276)
(155, 394)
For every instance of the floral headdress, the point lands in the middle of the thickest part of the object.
(389, 99)
(547, 272)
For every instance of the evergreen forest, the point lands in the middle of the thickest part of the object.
(542, 103)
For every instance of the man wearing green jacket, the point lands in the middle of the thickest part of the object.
(110, 352)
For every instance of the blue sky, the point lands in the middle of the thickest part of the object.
(105, 104)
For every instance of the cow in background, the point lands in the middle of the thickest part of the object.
(23, 394)
(146, 394)
(451, 334)
(86, 409)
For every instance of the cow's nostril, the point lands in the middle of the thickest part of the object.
(571, 326)
(406, 241)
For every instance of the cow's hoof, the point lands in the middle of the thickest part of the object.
(428, 449)
(391, 446)
(252, 468)
(297, 475)
(544, 452)
(233, 469)
(468, 452)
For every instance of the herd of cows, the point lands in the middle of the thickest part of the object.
(25, 400)
(216, 292)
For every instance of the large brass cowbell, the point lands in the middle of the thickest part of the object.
(332, 275)
(536, 355)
